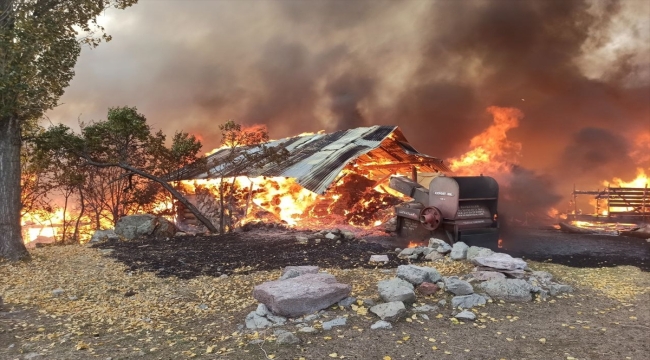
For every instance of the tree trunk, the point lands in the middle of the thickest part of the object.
(11, 240)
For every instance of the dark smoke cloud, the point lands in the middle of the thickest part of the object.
(598, 152)
(431, 68)
(527, 193)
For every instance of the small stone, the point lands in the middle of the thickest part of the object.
(396, 289)
(256, 342)
(427, 288)
(467, 301)
(434, 256)
(32, 355)
(303, 240)
(58, 292)
(277, 332)
(398, 250)
(340, 321)
(542, 276)
(348, 235)
(307, 329)
(262, 310)
(487, 275)
(379, 258)
(444, 248)
(416, 275)
(180, 233)
(442, 302)
(287, 338)
(311, 317)
(424, 316)
(277, 320)
(290, 272)
(390, 311)
(106, 251)
(459, 251)
(254, 321)
(369, 302)
(557, 289)
(223, 276)
(457, 286)
(476, 251)
(331, 236)
(466, 315)
(381, 324)
(347, 302)
(71, 298)
(425, 308)
(203, 306)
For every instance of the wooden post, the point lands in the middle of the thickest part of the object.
(414, 173)
(609, 211)
(575, 203)
(598, 205)
(645, 194)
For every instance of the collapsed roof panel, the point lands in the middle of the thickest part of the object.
(316, 160)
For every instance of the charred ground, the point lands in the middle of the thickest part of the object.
(272, 248)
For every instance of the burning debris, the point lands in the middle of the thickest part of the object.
(326, 179)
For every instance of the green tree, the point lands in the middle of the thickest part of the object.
(40, 41)
(125, 142)
(237, 141)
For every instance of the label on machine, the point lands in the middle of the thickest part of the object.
(473, 211)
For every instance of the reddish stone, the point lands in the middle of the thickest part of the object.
(427, 288)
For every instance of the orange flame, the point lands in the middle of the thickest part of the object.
(491, 151)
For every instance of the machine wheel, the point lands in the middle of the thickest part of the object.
(431, 217)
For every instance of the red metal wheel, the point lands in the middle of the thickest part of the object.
(431, 217)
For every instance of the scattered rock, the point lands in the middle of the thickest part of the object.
(254, 321)
(487, 275)
(427, 288)
(390, 311)
(287, 338)
(391, 225)
(381, 324)
(331, 236)
(130, 293)
(295, 271)
(543, 276)
(180, 233)
(32, 355)
(347, 302)
(459, 251)
(203, 306)
(307, 329)
(444, 248)
(379, 258)
(557, 289)
(303, 240)
(434, 243)
(424, 316)
(58, 292)
(134, 226)
(476, 251)
(348, 235)
(406, 253)
(339, 321)
(301, 295)
(466, 315)
(500, 261)
(434, 256)
(508, 289)
(416, 275)
(106, 251)
(262, 310)
(442, 302)
(104, 235)
(425, 308)
(396, 289)
(467, 301)
(457, 286)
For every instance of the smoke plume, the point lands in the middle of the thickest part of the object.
(578, 70)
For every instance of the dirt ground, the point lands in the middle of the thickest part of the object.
(166, 299)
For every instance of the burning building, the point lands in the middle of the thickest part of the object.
(323, 179)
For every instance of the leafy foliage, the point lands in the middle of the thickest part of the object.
(105, 148)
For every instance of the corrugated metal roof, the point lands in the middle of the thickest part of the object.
(316, 160)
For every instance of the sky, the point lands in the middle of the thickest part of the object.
(579, 71)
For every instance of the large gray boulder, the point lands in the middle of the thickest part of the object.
(457, 286)
(104, 235)
(396, 289)
(459, 251)
(476, 251)
(135, 226)
(500, 261)
(416, 275)
(508, 289)
(301, 295)
(557, 289)
(487, 275)
(467, 301)
(390, 311)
